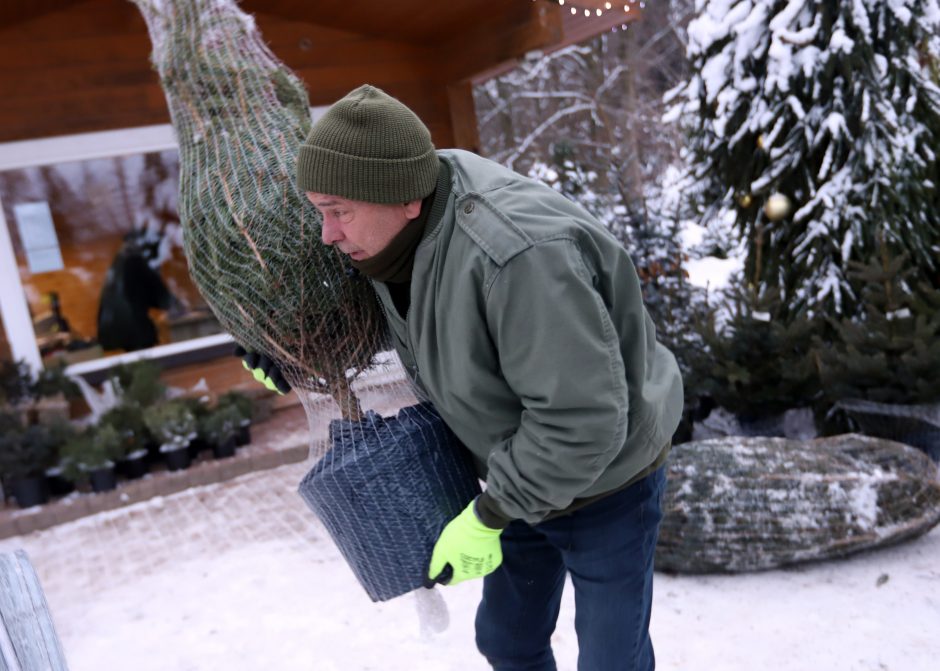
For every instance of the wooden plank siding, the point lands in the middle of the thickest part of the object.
(84, 66)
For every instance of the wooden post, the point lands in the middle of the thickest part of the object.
(28, 641)
(463, 116)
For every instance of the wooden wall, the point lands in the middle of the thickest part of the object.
(85, 66)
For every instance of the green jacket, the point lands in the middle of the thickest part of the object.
(527, 332)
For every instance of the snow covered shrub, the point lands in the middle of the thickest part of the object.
(754, 362)
(891, 353)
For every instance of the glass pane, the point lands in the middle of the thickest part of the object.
(99, 250)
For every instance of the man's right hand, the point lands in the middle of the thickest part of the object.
(264, 370)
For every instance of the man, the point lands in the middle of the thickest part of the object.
(521, 318)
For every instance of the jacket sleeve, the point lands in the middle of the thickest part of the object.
(559, 352)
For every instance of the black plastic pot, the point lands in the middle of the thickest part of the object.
(197, 445)
(371, 493)
(102, 479)
(154, 455)
(178, 459)
(224, 449)
(30, 492)
(58, 484)
(243, 435)
(135, 465)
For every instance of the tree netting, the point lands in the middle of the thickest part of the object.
(915, 425)
(252, 242)
(744, 504)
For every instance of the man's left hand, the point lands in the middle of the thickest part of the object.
(470, 547)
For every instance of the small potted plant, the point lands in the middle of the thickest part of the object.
(243, 406)
(16, 389)
(24, 456)
(128, 420)
(60, 433)
(139, 383)
(174, 426)
(54, 392)
(92, 453)
(200, 411)
(10, 424)
(221, 426)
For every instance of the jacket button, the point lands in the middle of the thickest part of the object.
(468, 208)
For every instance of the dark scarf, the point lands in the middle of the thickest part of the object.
(393, 265)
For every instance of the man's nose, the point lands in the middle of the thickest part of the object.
(330, 232)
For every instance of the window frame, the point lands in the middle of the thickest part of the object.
(14, 307)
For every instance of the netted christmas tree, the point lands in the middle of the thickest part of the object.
(384, 487)
(836, 106)
(744, 504)
(252, 241)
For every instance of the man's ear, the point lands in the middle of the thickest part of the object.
(412, 209)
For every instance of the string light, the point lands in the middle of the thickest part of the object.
(598, 11)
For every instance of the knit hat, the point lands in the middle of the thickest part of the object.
(369, 147)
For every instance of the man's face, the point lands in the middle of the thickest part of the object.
(361, 229)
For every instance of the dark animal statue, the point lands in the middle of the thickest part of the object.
(131, 287)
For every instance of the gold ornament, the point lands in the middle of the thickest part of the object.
(777, 207)
(760, 141)
(745, 200)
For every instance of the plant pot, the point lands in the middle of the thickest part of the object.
(30, 492)
(58, 484)
(224, 449)
(196, 446)
(177, 459)
(243, 435)
(391, 493)
(135, 465)
(154, 453)
(102, 478)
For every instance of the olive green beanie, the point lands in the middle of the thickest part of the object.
(368, 146)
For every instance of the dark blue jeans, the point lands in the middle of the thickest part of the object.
(607, 547)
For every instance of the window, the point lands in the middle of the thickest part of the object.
(93, 237)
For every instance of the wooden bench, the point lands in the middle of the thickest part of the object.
(28, 641)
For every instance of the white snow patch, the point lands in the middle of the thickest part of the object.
(711, 272)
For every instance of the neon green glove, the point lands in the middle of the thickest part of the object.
(470, 548)
(264, 370)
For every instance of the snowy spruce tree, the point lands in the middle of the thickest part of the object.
(834, 104)
(892, 355)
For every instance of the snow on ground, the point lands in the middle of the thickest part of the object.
(239, 576)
